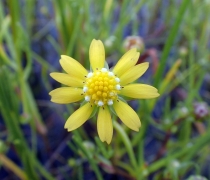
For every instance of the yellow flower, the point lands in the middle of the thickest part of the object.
(103, 89)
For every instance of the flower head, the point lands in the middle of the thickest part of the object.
(201, 110)
(134, 42)
(103, 89)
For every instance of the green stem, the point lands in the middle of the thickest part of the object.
(12, 166)
(61, 11)
(188, 152)
(74, 35)
(170, 41)
(127, 143)
(89, 157)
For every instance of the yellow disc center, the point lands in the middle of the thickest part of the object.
(101, 87)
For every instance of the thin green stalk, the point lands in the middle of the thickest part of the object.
(127, 143)
(10, 112)
(80, 173)
(42, 32)
(187, 125)
(192, 74)
(172, 35)
(61, 10)
(20, 144)
(89, 157)
(199, 83)
(126, 167)
(140, 147)
(124, 18)
(42, 62)
(15, 14)
(56, 46)
(187, 152)
(75, 34)
(72, 147)
(185, 132)
(201, 142)
(12, 166)
(42, 170)
(31, 103)
(102, 148)
(11, 47)
(4, 60)
(29, 12)
(26, 107)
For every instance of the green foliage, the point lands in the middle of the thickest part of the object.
(186, 32)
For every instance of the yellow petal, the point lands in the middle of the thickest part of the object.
(127, 61)
(133, 73)
(67, 79)
(104, 125)
(127, 115)
(73, 67)
(65, 95)
(139, 91)
(78, 117)
(97, 54)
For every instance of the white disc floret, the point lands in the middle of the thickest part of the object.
(87, 98)
(117, 79)
(85, 88)
(110, 102)
(90, 74)
(100, 103)
(118, 87)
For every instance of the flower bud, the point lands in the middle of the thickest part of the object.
(201, 110)
(134, 42)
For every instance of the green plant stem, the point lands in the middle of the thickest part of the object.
(141, 153)
(15, 14)
(74, 35)
(170, 41)
(10, 113)
(128, 145)
(61, 10)
(187, 152)
(126, 167)
(89, 157)
(12, 166)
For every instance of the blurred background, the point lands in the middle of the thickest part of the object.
(173, 142)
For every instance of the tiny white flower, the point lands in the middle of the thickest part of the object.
(117, 79)
(85, 88)
(90, 74)
(118, 87)
(103, 70)
(110, 102)
(87, 98)
(111, 74)
(100, 103)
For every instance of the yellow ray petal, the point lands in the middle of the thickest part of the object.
(65, 95)
(96, 54)
(73, 67)
(133, 73)
(104, 125)
(139, 91)
(78, 117)
(127, 115)
(127, 61)
(66, 79)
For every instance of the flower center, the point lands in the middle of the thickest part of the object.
(101, 87)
